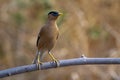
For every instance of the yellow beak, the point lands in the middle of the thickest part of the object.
(60, 14)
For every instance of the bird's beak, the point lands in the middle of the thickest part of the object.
(60, 14)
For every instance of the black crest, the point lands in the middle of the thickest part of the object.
(54, 13)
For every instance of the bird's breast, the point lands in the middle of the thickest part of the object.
(48, 40)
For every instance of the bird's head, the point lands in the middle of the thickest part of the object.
(53, 15)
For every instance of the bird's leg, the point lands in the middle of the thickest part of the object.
(54, 59)
(37, 60)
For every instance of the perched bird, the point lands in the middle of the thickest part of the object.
(47, 38)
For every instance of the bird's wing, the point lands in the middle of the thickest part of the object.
(39, 35)
(38, 38)
(57, 36)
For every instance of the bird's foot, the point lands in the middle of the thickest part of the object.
(38, 63)
(54, 60)
(57, 62)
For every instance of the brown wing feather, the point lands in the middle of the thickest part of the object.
(57, 36)
(39, 35)
(38, 38)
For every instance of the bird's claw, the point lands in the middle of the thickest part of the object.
(39, 65)
(57, 62)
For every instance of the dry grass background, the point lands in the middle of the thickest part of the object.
(91, 27)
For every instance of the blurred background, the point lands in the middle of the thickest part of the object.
(89, 27)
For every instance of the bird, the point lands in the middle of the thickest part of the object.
(47, 38)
